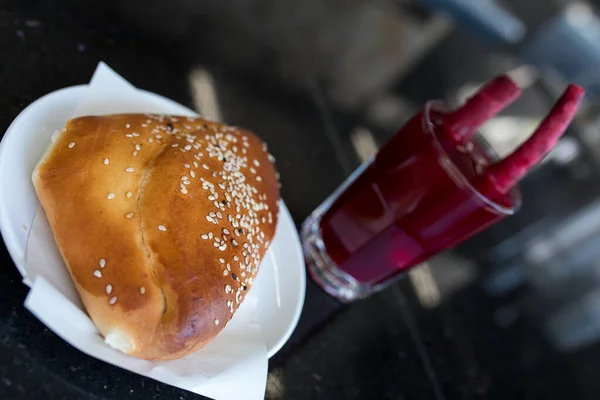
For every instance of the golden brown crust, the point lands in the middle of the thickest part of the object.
(162, 222)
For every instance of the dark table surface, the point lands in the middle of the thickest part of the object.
(466, 342)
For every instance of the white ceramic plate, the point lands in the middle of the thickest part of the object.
(281, 282)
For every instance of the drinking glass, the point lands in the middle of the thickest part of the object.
(413, 199)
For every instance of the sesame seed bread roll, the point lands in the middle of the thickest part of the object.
(162, 222)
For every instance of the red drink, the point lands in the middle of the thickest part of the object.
(432, 186)
(415, 199)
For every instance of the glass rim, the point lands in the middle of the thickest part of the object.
(455, 173)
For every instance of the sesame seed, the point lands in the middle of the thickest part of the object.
(97, 273)
(102, 263)
(135, 153)
(186, 165)
(184, 191)
(256, 163)
(142, 290)
(112, 300)
(204, 166)
(108, 288)
(192, 174)
(128, 194)
(204, 237)
(137, 147)
(106, 161)
(162, 228)
(129, 135)
(127, 126)
(227, 289)
(71, 145)
(188, 147)
(130, 169)
(210, 235)
(128, 215)
(195, 164)
(111, 196)
(258, 178)
(135, 134)
(216, 322)
(225, 272)
(175, 145)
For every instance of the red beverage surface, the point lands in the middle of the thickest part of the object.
(413, 201)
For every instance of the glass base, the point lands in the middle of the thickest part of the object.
(323, 269)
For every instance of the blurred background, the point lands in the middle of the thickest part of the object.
(362, 68)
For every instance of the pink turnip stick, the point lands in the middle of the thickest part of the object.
(505, 174)
(496, 95)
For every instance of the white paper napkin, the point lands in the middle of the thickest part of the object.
(232, 366)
